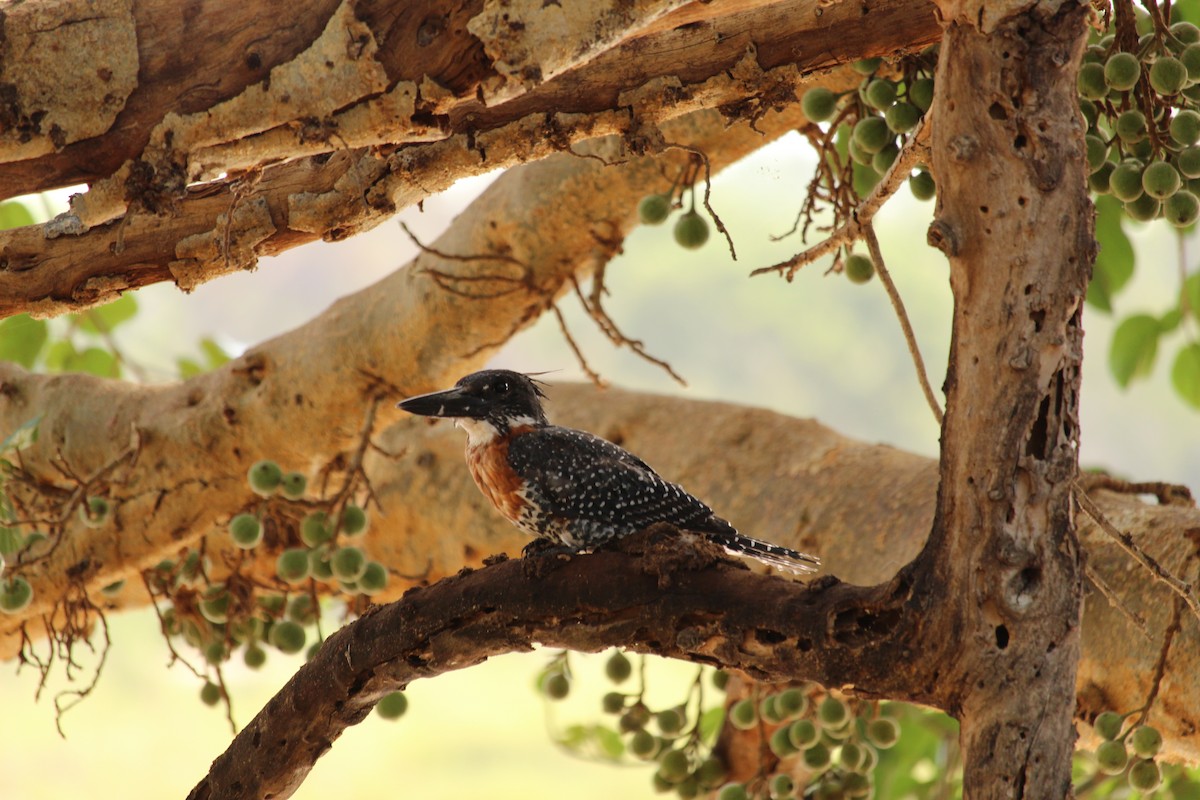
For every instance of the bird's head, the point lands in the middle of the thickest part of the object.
(485, 403)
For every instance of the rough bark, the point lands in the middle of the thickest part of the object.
(418, 329)
(1015, 222)
(985, 622)
(668, 598)
(332, 163)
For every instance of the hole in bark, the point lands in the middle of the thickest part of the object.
(1001, 637)
(768, 636)
(1039, 318)
(804, 645)
(1029, 578)
(983, 209)
(1022, 201)
(996, 111)
(230, 415)
(1028, 289)
(1020, 141)
(1036, 444)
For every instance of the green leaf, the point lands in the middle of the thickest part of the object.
(14, 215)
(25, 435)
(107, 317)
(1191, 292)
(1134, 346)
(1115, 261)
(609, 741)
(58, 354)
(213, 352)
(593, 738)
(1170, 320)
(1185, 374)
(188, 367)
(711, 722)
(95, 362)
(11, 540)
(22, 339)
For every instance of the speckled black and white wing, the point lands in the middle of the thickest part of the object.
(583, 491)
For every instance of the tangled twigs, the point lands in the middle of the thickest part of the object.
(868, 231)
(914, 152)
(63, 508)
(354, 468)
(1179, 587)
(593, 305)
(162, 626)
(700, 156)
(78, 629)
(456, 283)
(593, 376)
(1167, 494)
(69, 622)
(832, 181)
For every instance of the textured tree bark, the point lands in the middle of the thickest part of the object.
(1014, 220)
(205, 169)
(987, 624)
(661, 594)
(418, 329)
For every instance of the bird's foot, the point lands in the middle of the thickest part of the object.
(541, 556)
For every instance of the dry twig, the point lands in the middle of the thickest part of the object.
(1114, 601)
(1179, 587)
(868, 232)
(915, 151)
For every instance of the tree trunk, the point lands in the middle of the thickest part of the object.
(1015, 221)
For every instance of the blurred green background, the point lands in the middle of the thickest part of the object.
(818, 347)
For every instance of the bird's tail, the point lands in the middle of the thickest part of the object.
(782, 557)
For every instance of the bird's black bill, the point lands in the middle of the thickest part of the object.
(449, 403)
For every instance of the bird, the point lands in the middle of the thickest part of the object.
(569, 489)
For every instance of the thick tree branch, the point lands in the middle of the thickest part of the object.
(1015, 222)
(742, 63)
(664, 595)
(413, 331)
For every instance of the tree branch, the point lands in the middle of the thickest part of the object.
(743, 63)
(1004, 533)
(663, 593)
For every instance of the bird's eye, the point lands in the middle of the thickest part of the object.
(501, 386)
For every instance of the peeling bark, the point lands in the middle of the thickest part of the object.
(418, 329)
(355, 110)
(388, 97)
